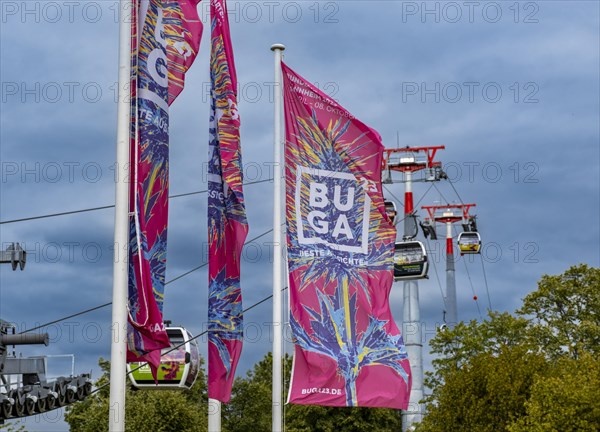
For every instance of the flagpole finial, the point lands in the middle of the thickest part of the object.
(277, 47)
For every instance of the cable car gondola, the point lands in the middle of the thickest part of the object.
(178, 368)
(410, 261)
(469, 242)
(391, 210)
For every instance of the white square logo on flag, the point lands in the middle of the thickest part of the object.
(332, 208)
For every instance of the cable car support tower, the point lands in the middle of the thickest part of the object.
(409, 160)
(449, 214)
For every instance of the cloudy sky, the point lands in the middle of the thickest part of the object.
(510, 88)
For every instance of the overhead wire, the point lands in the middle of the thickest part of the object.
(67, 317)
(466, 267)
(398, 200)
(481, 256)
(486, 285)
(109, 303)
(206, 263)
(473, 290)
(393, 196)
(421, 199)
(441, 194)
(455, 191)
(176, 347)
(91, 209)
(471, 284)
(437, 276)
(426, 239)
(426, 192)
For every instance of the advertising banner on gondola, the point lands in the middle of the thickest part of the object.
(165, 40)
(227, 225)
(348, 349)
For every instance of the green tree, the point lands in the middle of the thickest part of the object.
(309, 418)
(146, 410)
(485, 394)
(536, 371)
(454, 348)
(565, 312)
(250, 408)
(565, 399)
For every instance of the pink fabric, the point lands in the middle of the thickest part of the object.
(183, 33)
(166, 29)
(227, 225)
(348, 349)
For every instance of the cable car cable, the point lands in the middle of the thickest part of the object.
(415, 206)
(56, 214)
(109, 303)
(426, 192)
(400, 201)
(441, 194)
(51, 215)
(473, 290)
(437, 276)
(455, 191)
(67, 317)
(193, 338)
(205, 264)
(486, 285)
(176, 347)
(471, 283)
(394, 196)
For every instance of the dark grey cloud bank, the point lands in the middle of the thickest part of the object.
(510, 89)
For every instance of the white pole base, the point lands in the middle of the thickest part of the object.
(214, 415)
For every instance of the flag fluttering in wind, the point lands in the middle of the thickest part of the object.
(227, 225)
(348, 349)
(165, 40)
(183, 30)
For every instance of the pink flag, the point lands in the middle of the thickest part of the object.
(165, 40)
(183, 30)
(348, 349)
(227, 225)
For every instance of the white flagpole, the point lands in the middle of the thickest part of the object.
(118, 351)
(277, 246)
(214, 415)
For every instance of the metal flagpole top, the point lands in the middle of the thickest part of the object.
(277, 46)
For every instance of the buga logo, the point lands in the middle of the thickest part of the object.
(332, 208)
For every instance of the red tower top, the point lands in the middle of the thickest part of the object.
(446, 213)
(410, 159)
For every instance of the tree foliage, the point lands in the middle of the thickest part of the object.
(565, 399)
(536, 371)
(565, 312)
